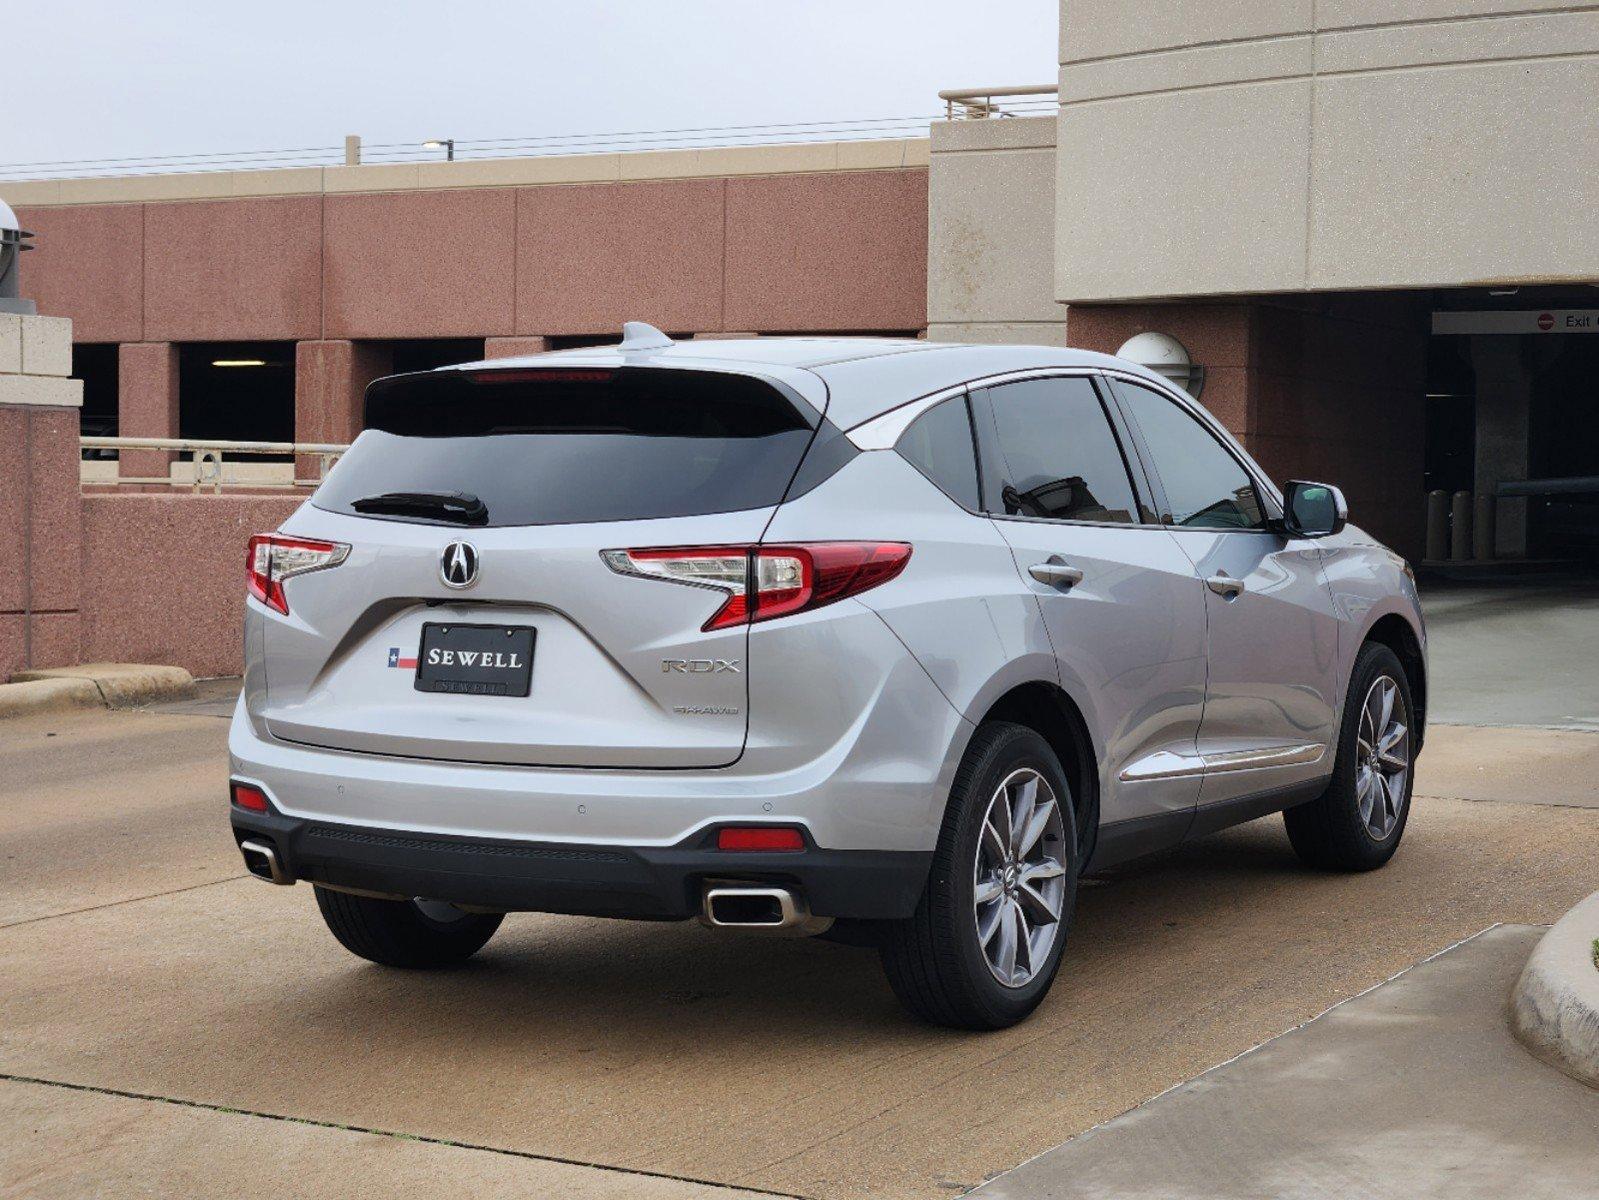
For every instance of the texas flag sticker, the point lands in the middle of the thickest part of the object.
(396, 661)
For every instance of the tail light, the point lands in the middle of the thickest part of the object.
(762, 582)
(272, 558)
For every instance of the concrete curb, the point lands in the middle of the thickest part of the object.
(1555, 1007)
(46, 696)
(107, 685)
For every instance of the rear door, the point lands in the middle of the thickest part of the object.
(537, 474)
(1120, 601)
(1273, 636)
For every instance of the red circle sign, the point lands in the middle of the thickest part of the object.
(1546, 321)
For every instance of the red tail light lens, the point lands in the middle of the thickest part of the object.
(272, 558)
(763, 582)
(247, 795)
(760, 837)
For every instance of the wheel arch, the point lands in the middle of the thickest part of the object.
(1395, 632)
(1046, 708)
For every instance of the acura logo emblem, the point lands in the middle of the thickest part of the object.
(458, 565)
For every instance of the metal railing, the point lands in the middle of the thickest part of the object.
(976, 103)
(211, 459)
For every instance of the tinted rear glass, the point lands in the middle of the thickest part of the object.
(939, 445)
(557, 447)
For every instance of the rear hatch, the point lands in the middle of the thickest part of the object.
(516, 482)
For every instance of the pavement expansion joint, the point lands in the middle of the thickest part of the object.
(122, 1093)
(1403, 971)
(72, 912)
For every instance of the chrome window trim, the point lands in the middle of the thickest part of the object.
(1220, 432)
(883, 430)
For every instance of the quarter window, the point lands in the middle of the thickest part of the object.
(1206, 487)
(939, 445)
(1055, 454)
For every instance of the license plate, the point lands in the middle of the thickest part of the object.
(476, 660)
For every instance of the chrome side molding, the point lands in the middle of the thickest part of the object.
(1164, 764)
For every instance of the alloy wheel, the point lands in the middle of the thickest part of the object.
(1382, 758)
(1019, 877)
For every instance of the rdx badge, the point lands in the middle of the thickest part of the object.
(700, 666)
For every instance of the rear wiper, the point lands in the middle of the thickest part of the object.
(461, 507)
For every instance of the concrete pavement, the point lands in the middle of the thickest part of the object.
(62, 1144)
(135, 956)
(1415, 1089)
(1522, 651)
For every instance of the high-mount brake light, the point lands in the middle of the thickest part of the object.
(540, 375)
(763, 582)
(272, 558)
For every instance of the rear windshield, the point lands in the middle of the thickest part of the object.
(543, 447)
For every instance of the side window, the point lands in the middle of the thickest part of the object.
(939, 445)
(1055, 454)
(1206, 487)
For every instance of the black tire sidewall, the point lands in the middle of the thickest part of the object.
(1007, 749)
(1329, 832)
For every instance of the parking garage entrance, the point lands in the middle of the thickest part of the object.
(1513, 415)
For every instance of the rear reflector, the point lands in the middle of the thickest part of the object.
(248, 796)
(763, 582)
(272, 558)
(760, 837)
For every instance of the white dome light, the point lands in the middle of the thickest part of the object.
(1167, 357)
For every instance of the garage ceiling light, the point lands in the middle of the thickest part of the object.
(238, 362)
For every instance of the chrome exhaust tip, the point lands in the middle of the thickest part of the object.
(262, 862)
(759, 906)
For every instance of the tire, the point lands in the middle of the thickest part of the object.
(936, 960)
(1334, 832)
(397, 933)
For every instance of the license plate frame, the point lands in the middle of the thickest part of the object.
(442, 641)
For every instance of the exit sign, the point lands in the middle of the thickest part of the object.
(1530, 320)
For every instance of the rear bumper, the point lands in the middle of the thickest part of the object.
(641, 882)
(881, 787)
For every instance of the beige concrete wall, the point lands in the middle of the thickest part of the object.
(1291, 145)
(990, 232)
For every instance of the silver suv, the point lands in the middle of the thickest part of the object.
(884, 640)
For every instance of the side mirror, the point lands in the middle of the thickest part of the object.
(1313, 510)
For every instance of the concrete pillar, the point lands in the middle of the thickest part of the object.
(1437, 525)
(514, 347)
(330, 379)
(352, 150)
(41, 518)
(147, 403)
(1504, 408)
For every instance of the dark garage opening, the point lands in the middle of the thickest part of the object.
(236, 391)
(96, 364)
(424, 354)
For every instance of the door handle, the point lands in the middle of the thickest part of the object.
(1225, 586)
(1056, 573)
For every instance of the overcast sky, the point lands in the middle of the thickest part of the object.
(93, 80)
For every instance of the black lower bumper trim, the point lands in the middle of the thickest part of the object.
(648, 883)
